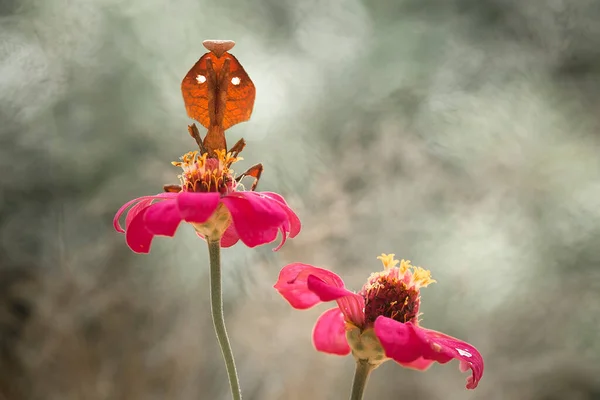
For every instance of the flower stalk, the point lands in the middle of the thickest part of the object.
(361, 377)
(216, 305)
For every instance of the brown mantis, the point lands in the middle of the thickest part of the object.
(218, 93)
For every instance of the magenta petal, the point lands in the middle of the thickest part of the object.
(420, 364)
(408, 344)
(398, 340)
(292, 284)
(135, 210)
(292, 226)
(294, 221)
(274, 196)
(138, 238)
(257, 219)
(116, 223)
(143, 202)
(326, 291)
(329, 334)
(230, 237)
(197, 207)
(163, 218)
(443, 348)
(289, 227)
(284, 235)
(351, 304)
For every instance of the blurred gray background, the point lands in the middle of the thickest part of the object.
(460, 134)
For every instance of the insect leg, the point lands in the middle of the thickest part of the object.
(237, 147)
(172, 188)
(254, 171)
(193, 130)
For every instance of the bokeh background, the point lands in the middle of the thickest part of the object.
(460, 134)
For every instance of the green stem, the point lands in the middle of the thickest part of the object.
(361, 376)
(216, 305)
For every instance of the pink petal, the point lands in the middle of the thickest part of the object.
(293, 219)
(420, 364)
(197, 207)
(143, 202)
(256, 218)
(138, 238)
(303, 286)
(163, 218)
(292, 284)
(326, 291)
(408, 344)
(399, 340)
(443, 347)
(135, 210)
(329, 334)
(284, 229)
(292, 225)
(351, 304)
(230, 237)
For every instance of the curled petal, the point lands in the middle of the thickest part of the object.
(442, 346)
(256, 219)
(197, 207)
(408, 344)
(292, 284)
(142, 202)
(137, 236)
(135, 210)
(294, 221)
(284, 230)
(292, 225)
(329, 334)
(162, 218)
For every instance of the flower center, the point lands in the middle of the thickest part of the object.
(394, 292)
(203, 174)
(392, 299)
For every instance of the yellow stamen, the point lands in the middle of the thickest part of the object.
(419, 276)
(226, 158)
(388, 260)
(405, 266)
(422, 277)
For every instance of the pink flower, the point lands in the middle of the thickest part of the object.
(208, 199)
(380, 322)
